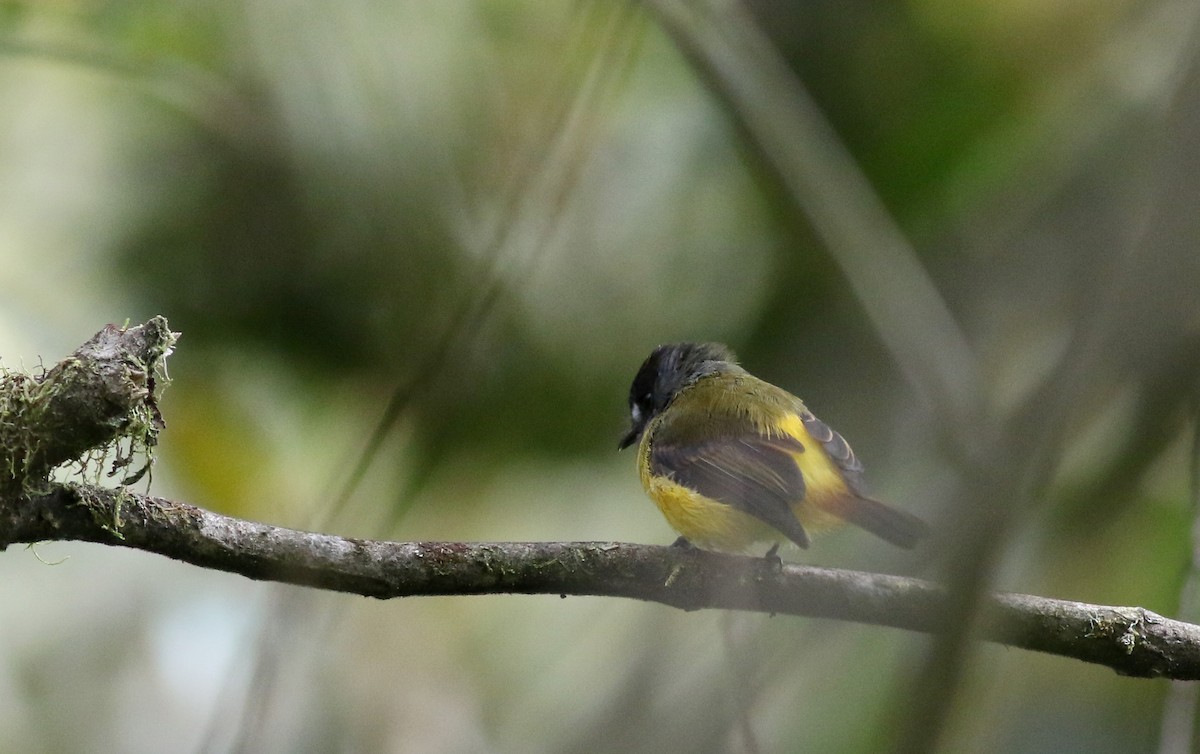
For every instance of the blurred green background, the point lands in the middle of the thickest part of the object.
(490, 212)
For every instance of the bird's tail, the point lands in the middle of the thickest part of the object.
(900, 528)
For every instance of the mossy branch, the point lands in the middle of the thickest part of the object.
(101, 396)
(1130, 640)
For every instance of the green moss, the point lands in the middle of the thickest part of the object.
(22, 404)
(105, 511)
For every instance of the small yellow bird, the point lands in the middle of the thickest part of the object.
(731, 460)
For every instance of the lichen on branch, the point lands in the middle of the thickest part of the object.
(101, 401)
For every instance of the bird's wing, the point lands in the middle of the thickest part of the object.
(735, 465)
(838, 450)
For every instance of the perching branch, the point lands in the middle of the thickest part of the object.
(1130, 640)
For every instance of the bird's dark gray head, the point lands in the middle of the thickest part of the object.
(669, 369)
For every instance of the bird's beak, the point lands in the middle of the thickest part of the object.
(630, 438)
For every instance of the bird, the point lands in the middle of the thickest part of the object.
(732, 460)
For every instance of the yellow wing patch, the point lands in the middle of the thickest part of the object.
(822, 476)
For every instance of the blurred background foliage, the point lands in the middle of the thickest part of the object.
(484, 215)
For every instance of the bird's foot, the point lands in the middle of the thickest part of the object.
(772, 556)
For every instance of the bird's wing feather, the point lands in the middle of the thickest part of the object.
(837, 449)
(753, 473)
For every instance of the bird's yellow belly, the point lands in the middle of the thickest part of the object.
(706, 522)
